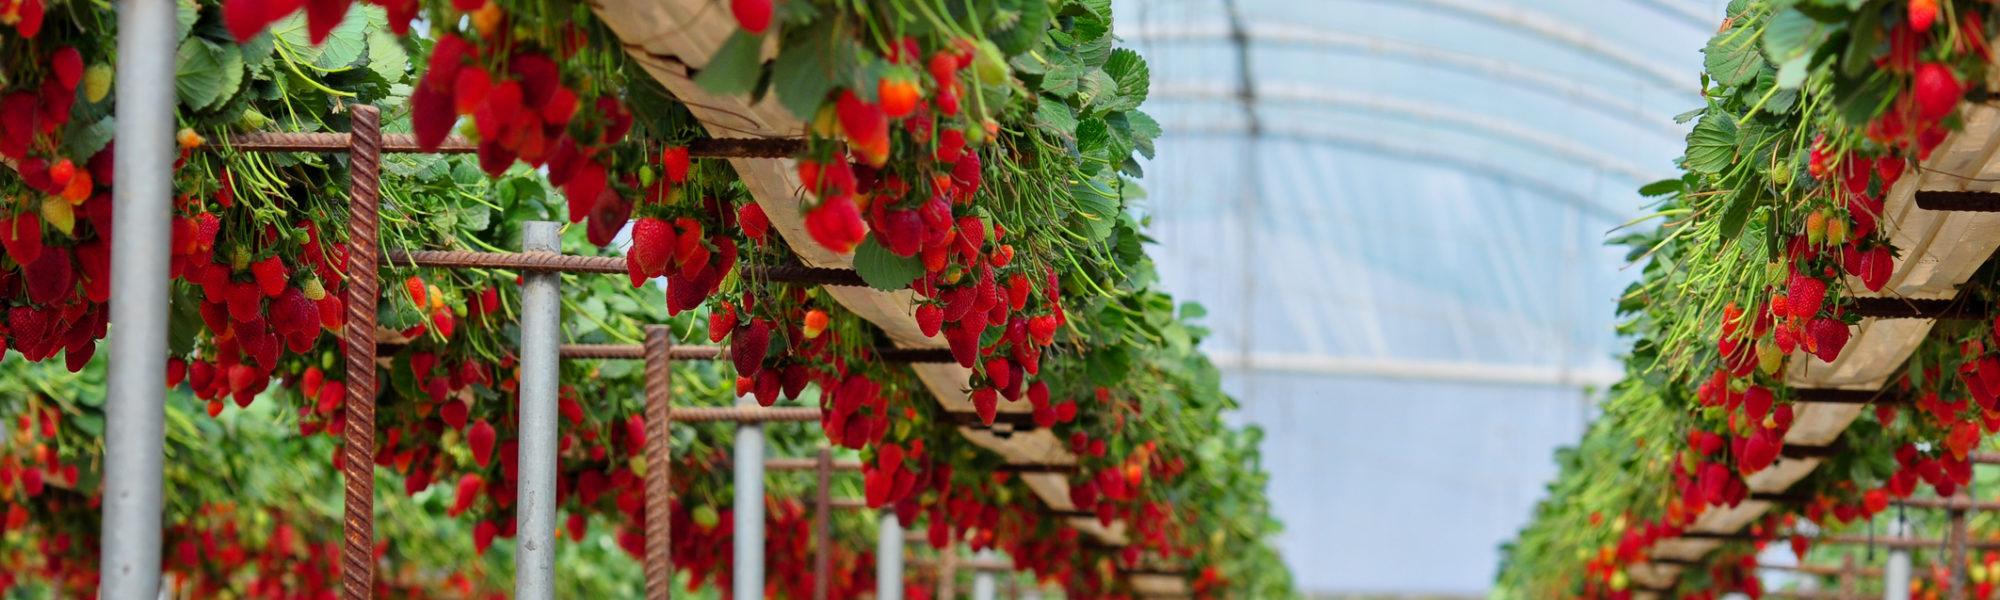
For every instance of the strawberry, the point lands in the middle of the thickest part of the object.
(482, 536)
(271, 275)
(815, 323)
(674, 160)
(560, 107)
(293, 313)
(1804, 294)
(469, 89)
(468, 490)
(999, 372)
(321, 17)
(431, 109)
(1876, 266)
(1922, 14)
(754, 222)
(930, 319)
(836, 224)
(866, 126)
(1936, 90)
(67, 64)
(899, 95)
(50, 278)
(1828, 336)
(244, 18)
(480, 438)
(721, 321)
(652, 247)
(22, 237)
(987, 402)
(747, 347)
(964, 344)
(583, 189)
(753, 15)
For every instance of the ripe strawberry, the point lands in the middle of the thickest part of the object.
(753, 15)
(67, 64)
(480, 438)
(469, 89)
(432, 112)
(1043, 329)
(748, 346)
(1876, 266)
(999, 372)
(836, 224)
(482, 536)
(22, 237)
(321, 17)
(1936, 91)
(271, 275)
(1922, 14)
(866, 126)
(674, 160)
(752, 219)
(50, 279)
(1828, 336)
(1804, 294)
(987, 402)
(899, 95)
(468, 490)
(652, 248)
(293, 313)
(930, 319)
(964, 344)
(721, 321)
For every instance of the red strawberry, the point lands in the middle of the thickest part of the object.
(583, 189)
(177, 370)
(1922, 13)
(560, 107)
(244, 18)
(293, 313)
(930, 319)
(1066, 411)
(866, 126)
(1804, 294)
(987, 402)
(22, 236)
(482, 536)
(480, 438)
(468, 490)
(322, 16)
(753, 15)
(607, 218)
(721, 321)
(271, 274)
(964, 344)
(652, 247)
(1829, 336)
(748, 346)
(469, 89)
(794, 379)
(67, 64)
(674, 160)
(999, 372)
(50, 279)
(431, 108)
(1876, 266)
(755, 223)
(836, 224)
(1936, 90)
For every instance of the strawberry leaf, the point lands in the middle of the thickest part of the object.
(882, 269)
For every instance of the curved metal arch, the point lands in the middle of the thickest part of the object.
(1420, 111)
(1529, 21)
(1689, 13)
(1506, 72)
(1420, 152)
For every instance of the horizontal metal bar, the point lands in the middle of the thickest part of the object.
(1824, 570)
(638, 352)
(609, 265)
(849, 504)
(1952, 504)
(1812, 451)
(405, 143)
(739, 414)
(1847, 540)
(1958, 201)
(1883, 307)
(1031, 469)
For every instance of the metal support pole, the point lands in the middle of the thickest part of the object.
(1957, 555)
(823, 526)
(889, 558)
(541, 333)
(364, 186)
(1896, 574)
(135, 410)
(749, 467)
(1847, 584)
(983, 586)
(659, 463)
(947, 572)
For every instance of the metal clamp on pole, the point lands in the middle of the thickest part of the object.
(135, 410)
(541, 332)
(749, 539)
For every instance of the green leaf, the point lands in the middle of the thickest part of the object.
(1054, 117)
(87, 140)
(1015, 26)
(808, 68)
(1133, 77)
(386, 56)
(882, 269)
(186, 14)
(1791, 35)
(348, 42)
(1660, 188)
(1792, 74)
(1737, 213)
(734, 68)
(1732, 58)
(1712, 144)
(205, 73)
(1866, 33)
(1097, 205)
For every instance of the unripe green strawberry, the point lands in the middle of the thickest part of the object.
(1769, 358)
(313, 288)
(239, 257)
(97, 82)
(989, 64)
(706, 517)
(1836, 231)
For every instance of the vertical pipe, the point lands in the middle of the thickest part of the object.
(889, 558)
(983, 585)
(1847, 586)
(134, 432)
(541, 333)
(659, 463)
(357, 462)
(823, 526)
(1957, 554)
(749, 540)
(947, 572)
(1896, 574)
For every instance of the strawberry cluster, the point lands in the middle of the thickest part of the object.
(25, 16)
(56, 275)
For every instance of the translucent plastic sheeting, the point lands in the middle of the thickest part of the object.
(1405, 270)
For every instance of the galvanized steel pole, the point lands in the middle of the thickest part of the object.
(142, 188)
(541, 334)
(749, 467)
(889, 558)
(983, 585)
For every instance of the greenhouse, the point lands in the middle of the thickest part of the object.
(1359, 299)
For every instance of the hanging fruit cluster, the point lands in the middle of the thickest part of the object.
(55, 222)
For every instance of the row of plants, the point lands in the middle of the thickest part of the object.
(982, 154)
(1814, 110)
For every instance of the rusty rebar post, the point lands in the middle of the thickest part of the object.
(1957, 552)
(823, 526)
(659, 463)
(364, 167)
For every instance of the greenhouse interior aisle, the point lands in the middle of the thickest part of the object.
(1411, 293)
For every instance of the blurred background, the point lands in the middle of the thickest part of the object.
(1363, 194)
